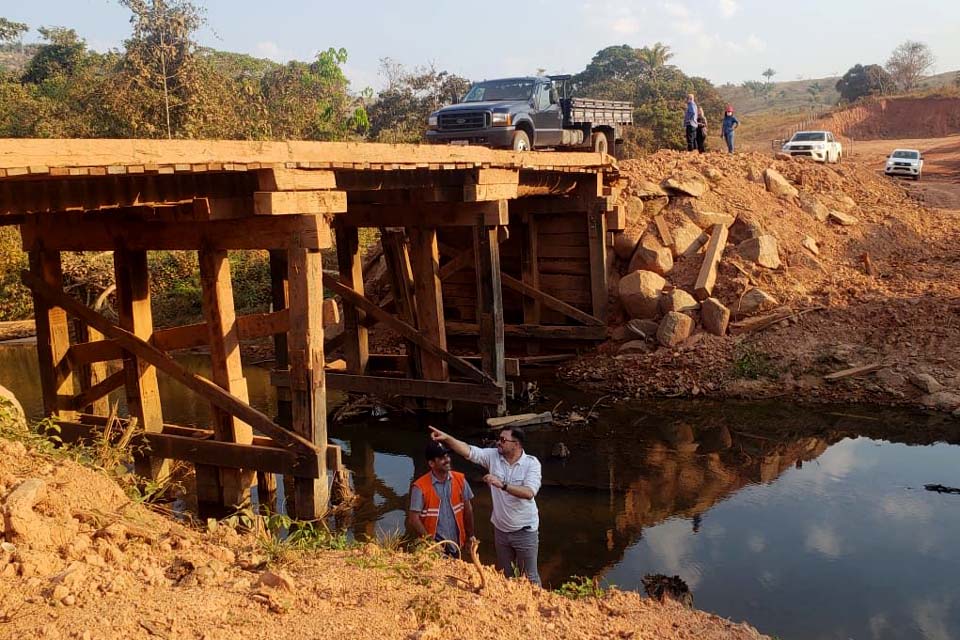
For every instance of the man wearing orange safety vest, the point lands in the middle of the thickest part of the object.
(440, 505)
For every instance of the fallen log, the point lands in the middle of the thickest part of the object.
(853, 372)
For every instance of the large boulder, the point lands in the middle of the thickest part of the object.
(941, 400)
(11, 411)
(633, 212)
(687, 239)
(706, 219)
(647, 189)
(678, 300)
(744, 228)
(688, 183)
(640, 293)
(625, 242)
(651, 256)
(778, 185)
(756, 301)
(674, 329)
(653, 206)
(762, 250)
(812, 205)
(714, 316)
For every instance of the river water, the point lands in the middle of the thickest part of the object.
(806, 522)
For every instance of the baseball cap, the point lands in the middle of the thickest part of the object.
(435, 450)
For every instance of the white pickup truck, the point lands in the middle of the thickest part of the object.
(819, 145)
(905, 162)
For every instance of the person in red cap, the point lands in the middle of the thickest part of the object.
(730, 123)
(440, 506)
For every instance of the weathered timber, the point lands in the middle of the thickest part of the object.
(707, 277)
(487, 192)
(435, 389)
(853, 372)
(283, 179)
(153, 356)
(520, 420)
(256, 325)
(433, 214)
(87, 397)
(53, 333)
(663, 230)
(296, 202)
(596, 235)
(425, 260)
(355, 340)
(486, 249)
(91, 374)
(532, 331)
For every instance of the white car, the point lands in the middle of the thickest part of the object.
(819, 145)
(905, 162)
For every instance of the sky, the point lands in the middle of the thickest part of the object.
(722, 40)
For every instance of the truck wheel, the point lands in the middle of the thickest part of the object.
(599, 142)
(521, 142)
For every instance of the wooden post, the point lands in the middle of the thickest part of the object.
(490, 307)
(596, 237)
(229, 487)
(530, 275)
(53, 336)
(401, 281)
(267, 482)
(425, 259)
(308, 394)
(355, 347)
(89, 375)
(134, 315)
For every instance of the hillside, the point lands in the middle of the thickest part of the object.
(791, 97)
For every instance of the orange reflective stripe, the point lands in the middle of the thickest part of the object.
(430, 514)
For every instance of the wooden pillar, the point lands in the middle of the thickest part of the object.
(89, 375)
(308, 394)
(53, 336)
(490, 307)
(425, 259)
(227, 487)
(401, 281)
(267, 482)
(596, 238)
(355, 346)
(530, 274)
(134, 315)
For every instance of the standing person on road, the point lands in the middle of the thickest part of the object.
(514, 479)
(701, 130)
(690, 123)
(440, 505)
(730, 123)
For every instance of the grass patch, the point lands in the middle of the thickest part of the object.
(582, 587)
(749, 363)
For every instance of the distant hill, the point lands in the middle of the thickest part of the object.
(794, 96)
(14, 58)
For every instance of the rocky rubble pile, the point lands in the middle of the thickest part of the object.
(779, 256)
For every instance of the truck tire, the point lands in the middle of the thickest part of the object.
(521, 141)
(599, 142)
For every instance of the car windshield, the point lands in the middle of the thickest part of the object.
(907, 155)
(809, 136)
(500, 90)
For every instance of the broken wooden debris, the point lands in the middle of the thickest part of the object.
(853, 372)
(520, 420)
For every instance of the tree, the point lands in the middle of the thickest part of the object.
(768, 74)
(860, 81)
(11, 31)
(908, 63)
(609, 69)
(61, 54)
(655, 57)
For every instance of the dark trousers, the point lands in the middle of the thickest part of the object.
(691, 138)
(701, 139)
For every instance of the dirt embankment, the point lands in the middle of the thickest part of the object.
(78, 559)
(895, 118)
(842, 270)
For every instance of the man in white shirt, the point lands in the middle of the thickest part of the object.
(514, 479)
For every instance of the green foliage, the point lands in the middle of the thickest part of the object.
(250, 273)
(860, 81)
(15, 303)
(751, 364)
(581, 587)
(11, 31)
(62, 53)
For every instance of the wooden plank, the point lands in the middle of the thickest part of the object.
(461, 260)
(596, 233)
(355, 341)
(530, 273)
(102, 232)
(432, 214)
(251, 326)
(425, 261)
(663, 229)
(91, 374)
(283, 179)
(433, 389)
(232, 486)
(533, 331)
(707, 277)
(53, 334)
(85, 353)
(308, 393)
(486, 249)
(400, 273)
(90, 395)
(493, 176)
(404, 329)
(520, 420)
(147, 352)
(297, 202)
(487, 192)
(616, 219)
(853, 371)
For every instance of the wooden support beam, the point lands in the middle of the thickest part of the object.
(559, 332)
(53, 334)
(267, 482)
(616, 219)
(268, 203)
(443, 391)
(227, 487)
(530, 273)
(308, 393)
(425, 259)
(486, 249)
(91, 374)
(248, 327)
(102, 232)
(462, 259)
(486, 192)
(707, 277)
(663, 229)
(90, 396)
(397, 257)
(153, 356)
(355, 340)
(135, 316)
(350, 296)
(284, 179)
(596, 238)
(437, 214)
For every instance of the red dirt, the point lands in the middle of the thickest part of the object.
(894, 118)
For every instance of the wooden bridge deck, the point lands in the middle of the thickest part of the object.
(480, 245)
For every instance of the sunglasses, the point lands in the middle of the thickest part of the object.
(502, 439)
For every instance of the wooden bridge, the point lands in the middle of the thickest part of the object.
(492, 249)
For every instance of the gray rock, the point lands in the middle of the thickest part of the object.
(762, 250)
(778, 185)
(643, 328)
(925, 382)
(941, 401)
(688, 183)
(633, 347)
(714, 316)
(674, 329)
(755, 301)
(678, 300)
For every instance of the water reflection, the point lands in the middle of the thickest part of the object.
(806, 522)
